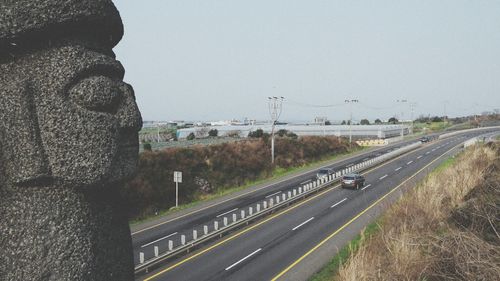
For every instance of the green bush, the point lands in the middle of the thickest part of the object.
(213, 133)
(147, 147)
(220, 166)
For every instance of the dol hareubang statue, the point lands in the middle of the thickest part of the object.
(68, 139)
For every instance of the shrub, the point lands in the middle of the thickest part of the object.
(147, 146)
(213, 133)
(216, 167)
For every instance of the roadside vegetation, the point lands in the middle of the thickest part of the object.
(447, 228)
(214, 170)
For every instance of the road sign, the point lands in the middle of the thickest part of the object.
(177, 176)
(177, 180)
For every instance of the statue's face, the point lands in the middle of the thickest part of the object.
(88, 119)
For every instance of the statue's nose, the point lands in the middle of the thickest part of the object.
(128, 113)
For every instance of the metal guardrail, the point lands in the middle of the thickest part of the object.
(261, 209)
(442, 136)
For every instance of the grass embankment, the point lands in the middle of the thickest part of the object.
(278, 173)
(447, 228)
(430, 127)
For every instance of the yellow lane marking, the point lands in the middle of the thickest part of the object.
(264, 221)
(354, 218)
(239, 234)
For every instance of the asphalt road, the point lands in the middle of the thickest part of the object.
(263, 250)
(145, 240)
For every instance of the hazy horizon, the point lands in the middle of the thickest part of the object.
(219, 60)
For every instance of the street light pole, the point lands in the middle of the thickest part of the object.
(275, 108)
(402, 121)
(412, 108)
(158, 132)
(350, 101)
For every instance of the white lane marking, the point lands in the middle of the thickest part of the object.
(366, 187)
(366, 159)
(334, 205)
(397, 169)
(243, 259)
(349, 165)
(158, 240)
(420, 156)
(226, 212)
(295, 228)
(383, 177)
(409, 162)
(271, 195)
(427, 152)
(434, 149)
(307, 181)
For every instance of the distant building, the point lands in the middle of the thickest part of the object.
(357, 131)
(320, 120)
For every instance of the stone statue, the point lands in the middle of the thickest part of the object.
(68, 140)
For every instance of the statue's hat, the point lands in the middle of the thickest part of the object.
(26, 22)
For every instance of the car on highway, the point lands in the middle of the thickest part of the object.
(425, 139)
(324, 173)
(353, 180)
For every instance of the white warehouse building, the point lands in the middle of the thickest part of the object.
(357, 131)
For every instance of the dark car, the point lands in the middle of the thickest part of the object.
(353, 180)
(324, 173)
(424, 139)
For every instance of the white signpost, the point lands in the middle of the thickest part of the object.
(177, 180)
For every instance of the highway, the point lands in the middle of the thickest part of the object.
(263, 250)
(159, 235)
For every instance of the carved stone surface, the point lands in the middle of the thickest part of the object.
(68, 139)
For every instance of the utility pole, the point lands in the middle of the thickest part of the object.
(412, 108)
(158, 132)
(350, 102)
(402, 121)
(275, 108)
(445, 117)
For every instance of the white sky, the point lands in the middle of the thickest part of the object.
(221, 59)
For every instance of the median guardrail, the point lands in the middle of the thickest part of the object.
(255, 211)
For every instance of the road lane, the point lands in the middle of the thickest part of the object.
(282, 247)
(197, 221)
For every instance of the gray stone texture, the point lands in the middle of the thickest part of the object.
(68, 140)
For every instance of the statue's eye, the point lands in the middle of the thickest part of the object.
(97, 93)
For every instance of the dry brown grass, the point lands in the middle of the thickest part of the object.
(435, 232)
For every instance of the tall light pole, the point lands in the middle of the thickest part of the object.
(350, 102)
(412, 108)
(445, 117)
(275, 108)
(158, 132)
(402, 122)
